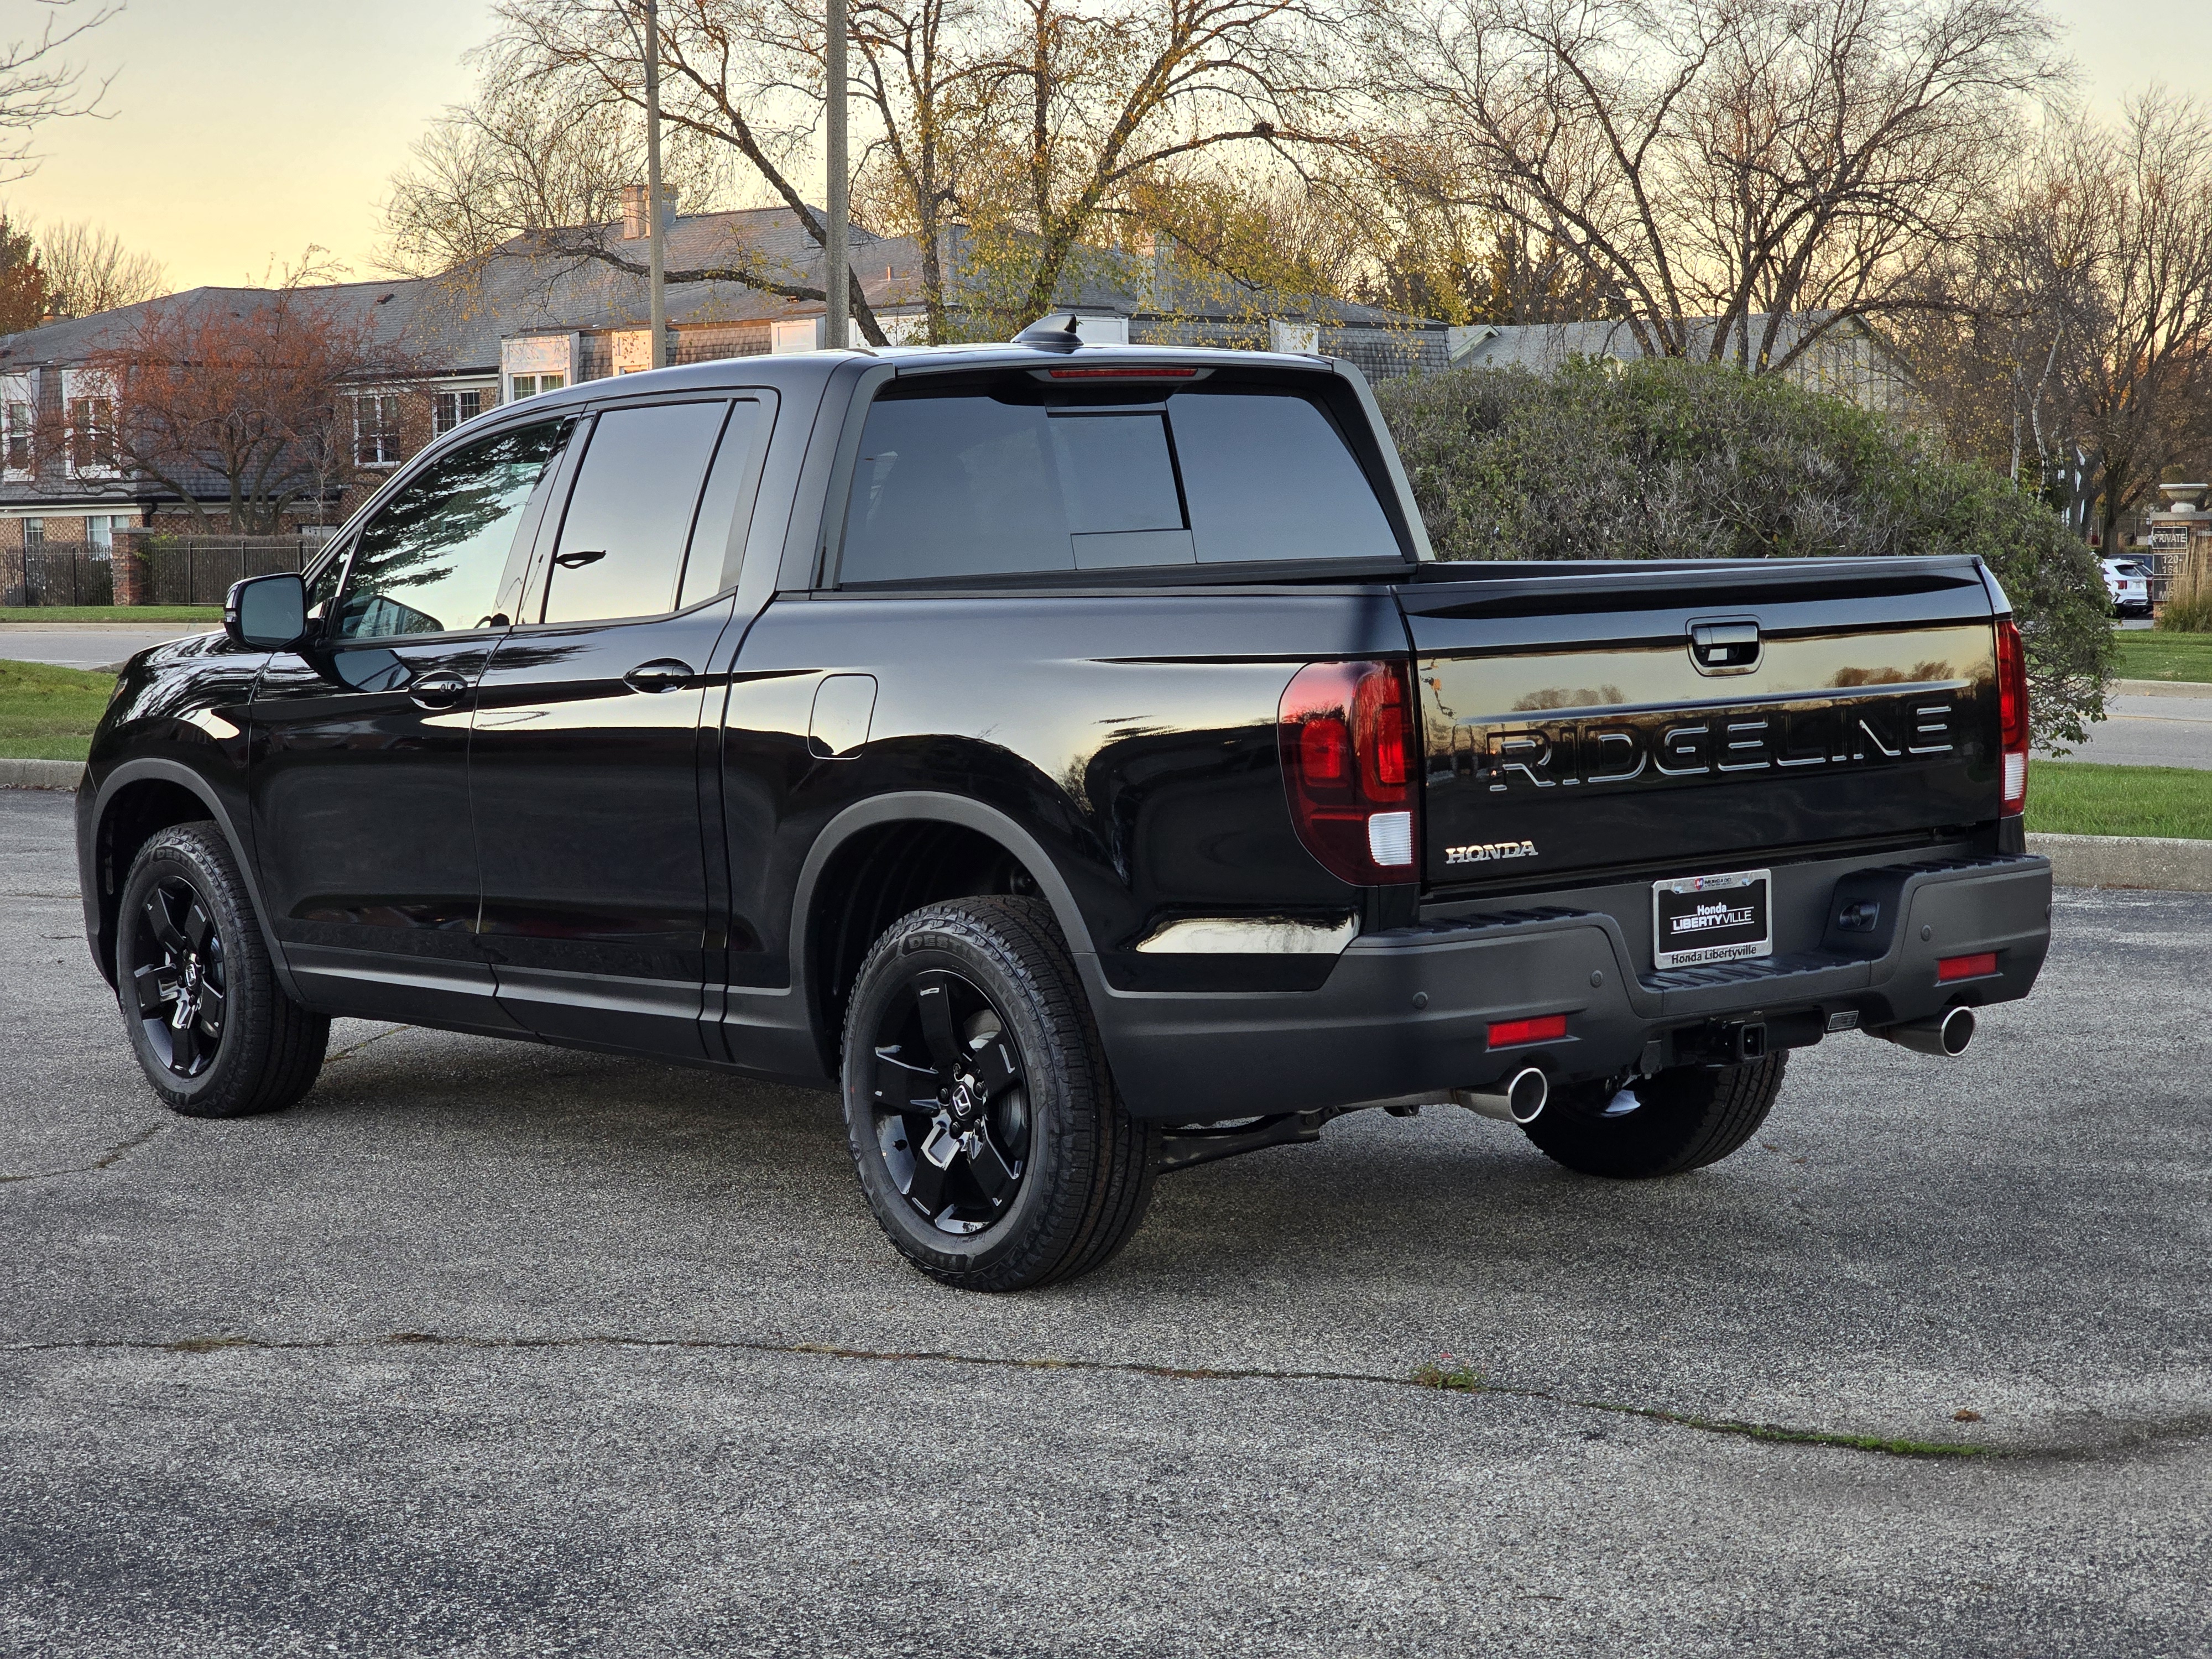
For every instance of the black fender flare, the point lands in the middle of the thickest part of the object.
(154, 766)
(927, 806)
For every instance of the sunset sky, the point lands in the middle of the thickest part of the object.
(244, 130)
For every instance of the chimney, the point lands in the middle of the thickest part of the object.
(633, 210)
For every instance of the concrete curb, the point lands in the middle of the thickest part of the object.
(2197, 690)
(40, 774)
(2168, 863)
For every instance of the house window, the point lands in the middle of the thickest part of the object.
(100, 533)
(34, 532)
(528, 385)
(453, 408)
(19, 437)
(92, 434)
(376, 435)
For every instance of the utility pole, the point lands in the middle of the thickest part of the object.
(835, 260)
(657, 250)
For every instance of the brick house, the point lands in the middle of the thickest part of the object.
(528, 321)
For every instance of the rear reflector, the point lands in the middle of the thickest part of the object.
(1547, 1028)
(1974, 967)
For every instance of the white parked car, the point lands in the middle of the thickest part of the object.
(2128, 580)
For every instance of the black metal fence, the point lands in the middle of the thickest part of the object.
(31, 576)
(199, 569)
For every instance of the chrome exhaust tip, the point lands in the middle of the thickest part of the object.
(1519, 1099)
(1946, 1036)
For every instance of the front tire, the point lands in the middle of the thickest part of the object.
(214, 1032)
(1682, 1119)
(982, 1118)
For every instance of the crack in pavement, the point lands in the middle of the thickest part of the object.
(106, 1160)
(1771, 1433)
(353, 1049)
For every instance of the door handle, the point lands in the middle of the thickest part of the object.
(441, 688)
(665, 674)
(576, 561)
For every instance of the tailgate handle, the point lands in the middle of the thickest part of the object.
(1724, 648)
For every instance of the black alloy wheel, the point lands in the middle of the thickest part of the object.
(208, 1017)
(952, 1114)
(181, 984)
(983, 1120)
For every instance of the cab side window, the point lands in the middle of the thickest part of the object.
(431, 560)
(622, 543)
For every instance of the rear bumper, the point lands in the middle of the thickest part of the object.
(1408, 1011)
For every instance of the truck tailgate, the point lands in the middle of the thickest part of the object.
(1692, 717)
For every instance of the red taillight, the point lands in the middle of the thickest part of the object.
(1974, 967)
(1547, 1028)
(1347, 740)
(2012, 717)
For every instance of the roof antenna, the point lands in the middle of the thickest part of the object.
(1045, 337)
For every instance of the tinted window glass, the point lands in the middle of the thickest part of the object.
(726, 510)
(968, 485)
(1268, 477)
(431, 559)
(621, 541)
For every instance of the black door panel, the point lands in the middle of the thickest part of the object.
(360, 780)
(361, 800)
(586, 800)
(586, 766)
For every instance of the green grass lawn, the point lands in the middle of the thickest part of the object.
(48, 713)
(2081, 797)
(2156, 656)
(211, 615)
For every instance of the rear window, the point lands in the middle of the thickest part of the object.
(973, 484)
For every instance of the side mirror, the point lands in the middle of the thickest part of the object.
(266, 613)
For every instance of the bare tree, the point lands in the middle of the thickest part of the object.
(88, 269)
(732, 77)
(2080, 358)
(38, 83)
(1085, 105)
(2120, 242)
(1735, 178)
(282, 396)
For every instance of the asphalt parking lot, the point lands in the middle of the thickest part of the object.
(493, 1349)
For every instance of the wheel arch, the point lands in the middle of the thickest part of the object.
(882, 859)
(136, 802)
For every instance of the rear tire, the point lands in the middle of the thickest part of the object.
(1681, 1120)
(214, 1031)
(982, 1118)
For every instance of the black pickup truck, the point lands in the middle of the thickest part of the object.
(1076, 757)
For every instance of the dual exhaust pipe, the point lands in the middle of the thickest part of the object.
(1520, 1097)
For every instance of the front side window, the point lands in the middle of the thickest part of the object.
(621, 550)
(979, 484)
(431, 560)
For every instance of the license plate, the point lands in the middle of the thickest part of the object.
(1711, 919)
